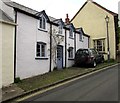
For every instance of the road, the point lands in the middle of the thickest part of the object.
(102, 86)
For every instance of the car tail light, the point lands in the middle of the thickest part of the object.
(90, 58)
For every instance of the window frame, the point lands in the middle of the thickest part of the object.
(70, 53)
(60, 28)
(71, 33)
(40, 50)
(81, 36)
(99, 45)
(42, 23)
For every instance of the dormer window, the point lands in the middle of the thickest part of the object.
(42, 23)
(80, 36)
(60, 29)
(71, 33)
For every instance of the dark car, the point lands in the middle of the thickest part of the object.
(88, 56)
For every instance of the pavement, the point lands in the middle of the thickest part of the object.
(13, 91)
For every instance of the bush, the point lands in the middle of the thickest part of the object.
(17, 80)
(55, 68)
(110, 61)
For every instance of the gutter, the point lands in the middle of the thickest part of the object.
(6, 22)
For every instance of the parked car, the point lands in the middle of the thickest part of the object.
(88, 56)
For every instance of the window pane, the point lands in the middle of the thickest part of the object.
(70, 54)
(40, 23)
(38, 50)
(60, 29)
(42, 50)
(38, 54)
(43, 23)
(71, 33)
(99, 45)
(80, 36)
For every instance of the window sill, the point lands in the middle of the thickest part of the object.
(71, 37)
(41, 58)
(42, 30)
(70, 58)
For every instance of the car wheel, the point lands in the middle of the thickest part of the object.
(94, 63)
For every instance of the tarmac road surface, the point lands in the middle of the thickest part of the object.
(102, 86)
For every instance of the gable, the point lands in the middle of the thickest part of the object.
(42, 14)
(97, 7)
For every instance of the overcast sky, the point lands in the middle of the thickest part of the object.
(59, 8)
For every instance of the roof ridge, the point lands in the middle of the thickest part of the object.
(109, 11)
(20, 6)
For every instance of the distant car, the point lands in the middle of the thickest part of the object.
(88, 56)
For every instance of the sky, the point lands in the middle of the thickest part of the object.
(59, 8)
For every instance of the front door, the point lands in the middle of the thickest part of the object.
(59, 57)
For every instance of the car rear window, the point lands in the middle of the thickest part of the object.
(82, 52)
(79, 52)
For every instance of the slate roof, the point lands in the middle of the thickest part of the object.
(26, 9)
(36, 13)
(21, 7)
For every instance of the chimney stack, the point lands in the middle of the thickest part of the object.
(67, 20)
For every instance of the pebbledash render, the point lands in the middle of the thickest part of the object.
(43, 43)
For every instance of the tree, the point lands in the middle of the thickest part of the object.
(57, 39)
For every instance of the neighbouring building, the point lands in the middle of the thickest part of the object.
(92, 18)
(7, 30)
(43, 43)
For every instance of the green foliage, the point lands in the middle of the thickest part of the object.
(55, 68)
(17, 80)
(118, 33)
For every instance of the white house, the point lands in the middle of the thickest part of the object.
(43, 42)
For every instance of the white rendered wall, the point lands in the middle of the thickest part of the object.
(27, 36)
(70, 43)
(81, 44)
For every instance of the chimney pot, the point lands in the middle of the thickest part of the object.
(67, 19)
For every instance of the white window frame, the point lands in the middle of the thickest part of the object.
(60, 27)
(70, 53)
(42, 24)
(40, 51)
(96, 46)
(71, 33)
(80, 36)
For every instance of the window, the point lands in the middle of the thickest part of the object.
(80, 36)
(70, 52)
(40, 49)
(99, 45)
(60, 29)
(42, 23)
(71, 33)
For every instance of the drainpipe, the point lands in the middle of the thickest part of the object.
(65, 49)
(15, 45)
(74, 43)
(50, 47)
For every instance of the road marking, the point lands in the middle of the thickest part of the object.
(58, 85)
